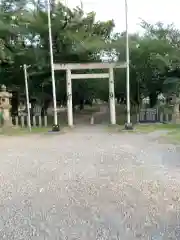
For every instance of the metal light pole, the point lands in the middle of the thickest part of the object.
(27, 96)
(55, 127)
(128, 123)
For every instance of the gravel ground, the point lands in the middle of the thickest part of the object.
(89, 184)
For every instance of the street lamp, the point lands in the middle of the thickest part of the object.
(55, 127)
(128, 124)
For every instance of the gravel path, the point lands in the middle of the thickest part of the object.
(89, 184)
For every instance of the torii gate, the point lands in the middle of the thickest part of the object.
(78, 66)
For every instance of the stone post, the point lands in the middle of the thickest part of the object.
(69, 97)
(5, 106)
(112, 97)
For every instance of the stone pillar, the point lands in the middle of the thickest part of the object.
(1, 117)
(112, 97)
(5, 106)
(69, 98)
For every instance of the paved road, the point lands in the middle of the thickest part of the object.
(89, 184)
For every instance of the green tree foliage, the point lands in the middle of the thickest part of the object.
(152, 56)
(77, 37)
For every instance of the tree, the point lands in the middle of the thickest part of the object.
(151, 56)
(76, 38)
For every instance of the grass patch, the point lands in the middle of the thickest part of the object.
(173, 130)
(174, 136)
(147, 128)
(25, 131)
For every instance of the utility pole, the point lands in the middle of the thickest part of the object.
(55, 126)
(128, 124)
(27, 96)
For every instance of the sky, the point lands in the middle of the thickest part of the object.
(151, 11)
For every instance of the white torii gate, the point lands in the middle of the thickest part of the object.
(78, 66)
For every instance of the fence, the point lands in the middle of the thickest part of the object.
(152, 115)
(148, 115)
(36, 121)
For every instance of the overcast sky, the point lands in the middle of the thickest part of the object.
(149, 10)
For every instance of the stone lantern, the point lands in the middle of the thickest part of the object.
(5, 106)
